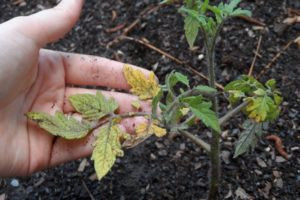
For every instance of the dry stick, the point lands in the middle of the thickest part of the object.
(252, 20)
(196, 140)
(255, 56)
(147, 44)
(268, 66)
(148, 10)
(88, 191)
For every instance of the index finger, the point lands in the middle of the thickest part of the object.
(95, 71)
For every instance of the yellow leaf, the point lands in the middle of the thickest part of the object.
(107, 148)
(142, 86)
(141, 129)
(136, 104)
(146, 129)
(158, 131)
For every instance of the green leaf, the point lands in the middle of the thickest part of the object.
(107, 148)
(271, 84)
(171, 80)
(249, 137)
(191, 27)
(93, 107)
(60, 125)
(204, 89)
(234, 3)
(156, 101)
(277, 99)
(175, 77)
(241, 12)
(202, 110)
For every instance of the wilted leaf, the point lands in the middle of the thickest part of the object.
(107, 148)
(93, 107)
(142, 86)
(249, 137)
(60, 125)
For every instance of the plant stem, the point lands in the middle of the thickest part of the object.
(215, 140)
(199, 142)
(232, 112)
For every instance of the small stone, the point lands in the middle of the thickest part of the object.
(153, 156)
(280, 159)
(182, 146)
(197, 166)
(261, 163)
(163, 152)
(14, 183)
(241, 193)
(200, 57)
(159, 145)
(279, 182)
(276, 174)
(258, 172)
(225, 156)
(268, 149)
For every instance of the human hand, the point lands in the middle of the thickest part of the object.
(35, 79)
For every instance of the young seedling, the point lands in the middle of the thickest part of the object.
(100, 114)
(260, 102)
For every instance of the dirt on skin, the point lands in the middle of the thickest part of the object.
(173, 167)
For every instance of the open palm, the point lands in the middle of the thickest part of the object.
(35, 79)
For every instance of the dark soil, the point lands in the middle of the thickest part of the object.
(172, 167)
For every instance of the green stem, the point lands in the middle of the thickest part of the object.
(215, 140)
(232, 113)
(199, 142)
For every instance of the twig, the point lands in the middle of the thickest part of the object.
(268, 66)
(252, 20)
(278, 145)
(148, 10)
(115, 29)
(232, 112)
(255, 56)
(199, 142)
(150, 46)
(88, 191)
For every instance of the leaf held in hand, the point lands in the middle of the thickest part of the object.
(93, 107)
(107, 148)
(60, 125)
(142, 86)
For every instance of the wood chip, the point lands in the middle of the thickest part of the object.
(82, 165)
(93, 177)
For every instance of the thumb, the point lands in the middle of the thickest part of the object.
(52, 24)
